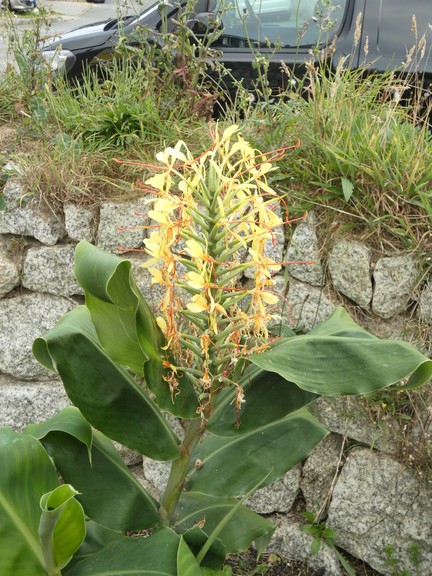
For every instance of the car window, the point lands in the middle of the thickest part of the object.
(282, 23)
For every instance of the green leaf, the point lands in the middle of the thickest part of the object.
(316, 545)
(275, 447)
(347, 188)
(328, 533)
(331, 361)
(207, 511)
(69, 420)
(37, 107)
(104, 275)
(187, 564)
(105, 393)
(26, 473)
(227, 571)
(262, 542)
(344, 562)
(196, 537)
(310, 517)
(126, 326)
(340, 323)
(152, 556)
(116, 329)
(109, 492)
(218, 529)
(97, 537)
(61, 527)
(268, 397)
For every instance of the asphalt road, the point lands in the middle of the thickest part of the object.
(69, 15)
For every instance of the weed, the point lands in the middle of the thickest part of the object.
(24, 48)
(320, 534)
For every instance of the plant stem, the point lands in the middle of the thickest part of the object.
(179, 468)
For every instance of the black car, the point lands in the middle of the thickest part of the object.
(380, 33)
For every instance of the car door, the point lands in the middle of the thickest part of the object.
(395, 31)
(291, 31)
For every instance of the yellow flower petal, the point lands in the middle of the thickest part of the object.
(229, 132)
(269, 298)
(195, 280)
(158, 181)
(157, 277)
(198, 304)
(194, 249)
(161, 323)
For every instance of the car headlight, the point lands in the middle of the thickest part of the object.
(59, 60)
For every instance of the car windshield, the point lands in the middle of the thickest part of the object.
(280, 23)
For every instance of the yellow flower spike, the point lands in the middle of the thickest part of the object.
(206, 209)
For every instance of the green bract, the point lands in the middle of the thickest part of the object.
(242, 396)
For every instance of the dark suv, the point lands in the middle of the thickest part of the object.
(380, 33)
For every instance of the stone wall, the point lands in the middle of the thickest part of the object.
(367, 479)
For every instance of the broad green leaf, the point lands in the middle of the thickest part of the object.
(196, 537)
(61, 527)
(97, 537)
(126, 326)
(332, 362)
(207, 511)
(268, 397)
(340, 323)
(104, 275)
(232, 465)
(109, 492)
(187, 564)
(218, 529)
(113, 303)
(105, 393)
(69, 420)
(116, 329)
(26, 474)
(152, 556)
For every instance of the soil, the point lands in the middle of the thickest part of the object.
(273, 565)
